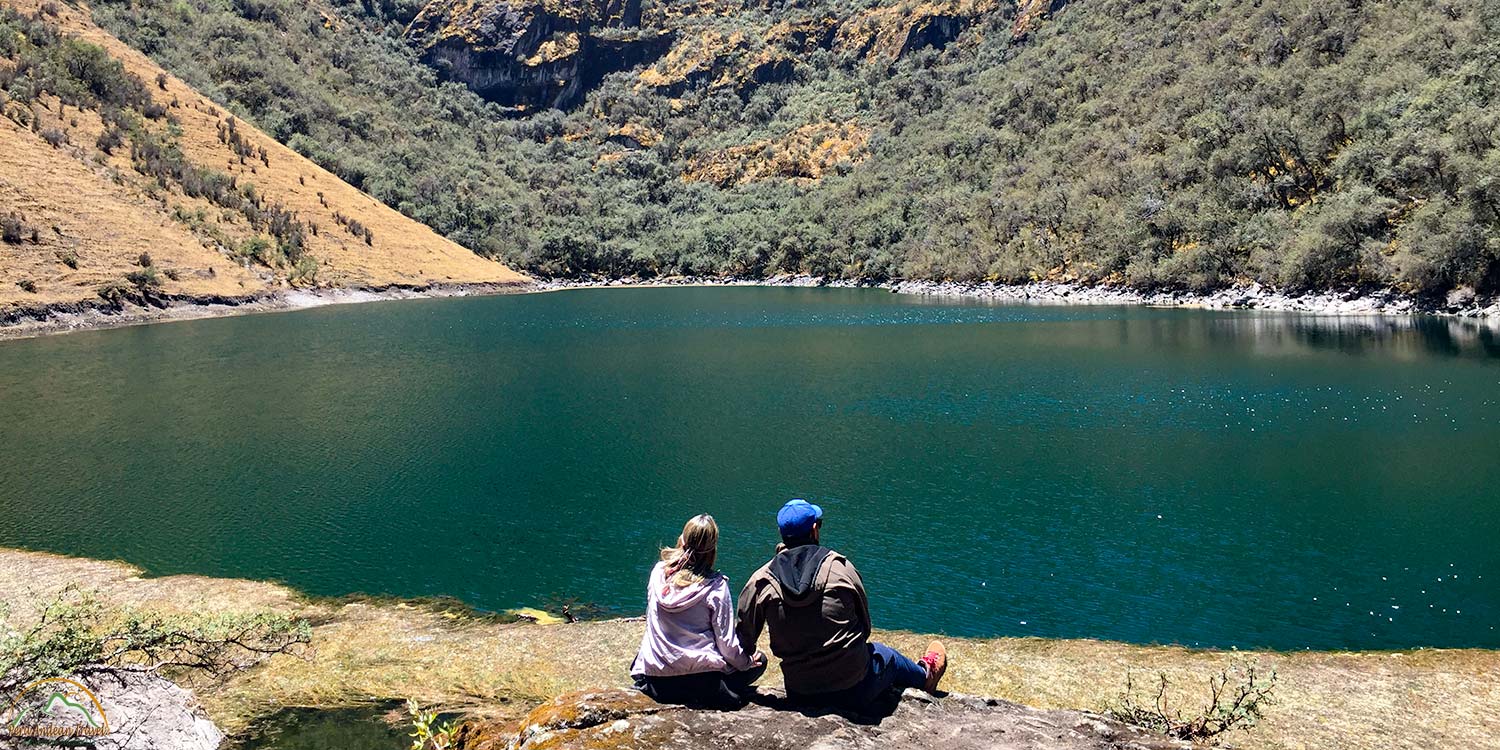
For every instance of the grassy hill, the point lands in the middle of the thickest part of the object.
(119, 183)
(1304, 144)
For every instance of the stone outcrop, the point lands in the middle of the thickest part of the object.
(887, 33)
(143, 710)
(626, 719)
(531, 54)
(1030, 14)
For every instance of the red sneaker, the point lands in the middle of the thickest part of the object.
(935, 661)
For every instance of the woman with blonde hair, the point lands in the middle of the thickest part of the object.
(690, 653)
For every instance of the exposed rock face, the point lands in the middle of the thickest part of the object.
(533, 54)
(890, 32)
(626, 719)
(1030, 14)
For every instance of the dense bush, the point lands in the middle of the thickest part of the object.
(1170, 142)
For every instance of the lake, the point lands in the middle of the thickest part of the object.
(1213, 478)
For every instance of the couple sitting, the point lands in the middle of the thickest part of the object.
(810, 598)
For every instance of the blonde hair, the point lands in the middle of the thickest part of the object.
(692, 560)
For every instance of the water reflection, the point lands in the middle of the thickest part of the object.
(1407, 337)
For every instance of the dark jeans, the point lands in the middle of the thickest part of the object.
(706, 689)
(889, 672)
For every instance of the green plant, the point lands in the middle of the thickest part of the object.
(145, 280)
(110, 139)
(74, 634)
(304, 271)
(115, 293)
(1237, 696)
(259, 249)
(426, 733)
(68, 258)
(27, 285)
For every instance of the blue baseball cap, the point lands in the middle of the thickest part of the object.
(796, 518)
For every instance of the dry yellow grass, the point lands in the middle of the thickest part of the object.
(108, 214)
(806, 153)
(365, 651)
(79, 212)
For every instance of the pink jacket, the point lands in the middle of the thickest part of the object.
(689, 630)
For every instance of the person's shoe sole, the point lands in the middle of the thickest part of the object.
(938, 665)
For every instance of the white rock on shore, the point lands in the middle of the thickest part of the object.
(1462, 303)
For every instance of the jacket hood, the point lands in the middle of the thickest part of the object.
(796, 571)
(674, 598)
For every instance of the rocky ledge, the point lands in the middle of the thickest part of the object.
(141, 709)
(626, 719)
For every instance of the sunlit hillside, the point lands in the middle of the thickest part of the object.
(119, 183)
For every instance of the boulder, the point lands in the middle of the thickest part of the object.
(626, 719)
(142, 710)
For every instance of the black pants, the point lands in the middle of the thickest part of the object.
(704, 689)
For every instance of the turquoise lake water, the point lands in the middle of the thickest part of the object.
(1206, 478)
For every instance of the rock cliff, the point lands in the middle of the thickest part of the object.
(531, 54)
(626, 719)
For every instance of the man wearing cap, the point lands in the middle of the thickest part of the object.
(813, 602)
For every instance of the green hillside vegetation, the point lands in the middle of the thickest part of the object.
(1298, 143)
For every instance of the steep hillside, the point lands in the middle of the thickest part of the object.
(1307, 144)
(119, 183)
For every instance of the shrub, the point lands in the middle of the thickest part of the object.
(304, 271)
(68, 258)
(110, 139)
(75, 635)
(258, 249)
(115, 294)
(12, 229)
(1237, 696)
(27, 285)
(146, 282)
(144, 260)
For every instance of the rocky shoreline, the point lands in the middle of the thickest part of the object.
(1460, 303)
(80, 316)
(85, 316)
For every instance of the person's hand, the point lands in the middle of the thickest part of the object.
(759, 659)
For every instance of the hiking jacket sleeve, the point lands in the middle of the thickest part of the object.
(725, 637)
(752, 618)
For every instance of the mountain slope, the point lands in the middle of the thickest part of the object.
(124, 184)
(1302, 144)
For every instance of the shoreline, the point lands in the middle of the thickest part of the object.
(70, 317)
(73, 317)
(367, 650)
